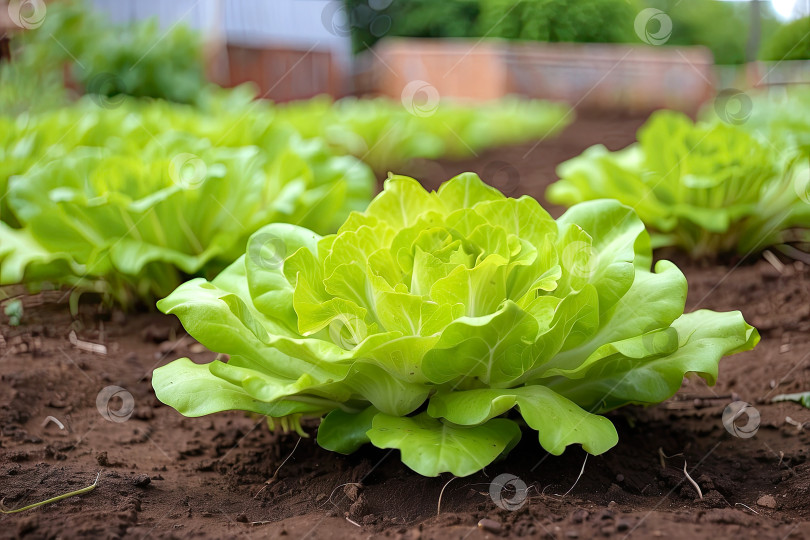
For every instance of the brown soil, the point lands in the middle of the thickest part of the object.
(165, 476)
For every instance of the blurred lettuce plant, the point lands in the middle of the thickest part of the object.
(129, 200)
(387, 134)
(708, 187)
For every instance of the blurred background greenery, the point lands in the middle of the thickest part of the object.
(694, 22)
(95, 56)
(80, 47)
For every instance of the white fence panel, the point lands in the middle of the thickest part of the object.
(296, 23)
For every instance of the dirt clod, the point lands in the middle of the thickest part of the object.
(352, 491)
(359, 508)
(141, 480)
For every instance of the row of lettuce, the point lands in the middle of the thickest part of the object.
(129, 197)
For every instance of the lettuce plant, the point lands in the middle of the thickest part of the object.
(708, 188)
(433, 321)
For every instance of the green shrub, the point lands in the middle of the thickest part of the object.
(791, 42)
(599, 21)
(140, 59)
(694, 22)
(411, 18)
(697, 22)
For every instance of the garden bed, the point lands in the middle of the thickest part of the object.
(163, 475)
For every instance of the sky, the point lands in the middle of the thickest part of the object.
(783, 8)
(786, 9)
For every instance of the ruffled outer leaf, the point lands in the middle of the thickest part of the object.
(704, 337)
(558, 421)
(345, 432)
(430, 446)
(194, 391)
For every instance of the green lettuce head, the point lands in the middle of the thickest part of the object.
(708, 188)
(433, 320)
